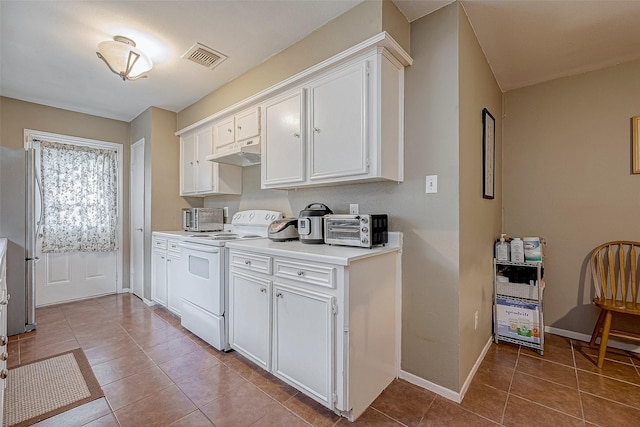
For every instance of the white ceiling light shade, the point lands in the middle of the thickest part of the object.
(124, 59)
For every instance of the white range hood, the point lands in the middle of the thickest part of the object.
(244, 153)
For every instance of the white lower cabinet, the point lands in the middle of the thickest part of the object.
(249, 332)
(174, 275)
(328, 330)
(166, 273)
(303, 340)
(159, 277)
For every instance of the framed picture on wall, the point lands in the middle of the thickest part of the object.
(635, 131)
(488, 154)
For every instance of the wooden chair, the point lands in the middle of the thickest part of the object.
(614, 270)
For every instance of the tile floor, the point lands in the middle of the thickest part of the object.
(154, 373)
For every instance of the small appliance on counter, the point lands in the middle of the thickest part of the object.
(363, 231)
(202, 219)
(311, 223)
(282, 230)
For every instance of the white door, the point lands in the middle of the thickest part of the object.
(249, 312)
(283, 152)
(136, 203)
(188, 164)
(204, 168)
(303, 340)
(337, 132)
(159, 277)
(62, 277)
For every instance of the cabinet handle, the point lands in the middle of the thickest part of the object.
(263, 290)
(4, 302)
(297, 135)
(191, 163)
(316, 130)
(4, 356)
(3, 340)
(4, 374)
(139, 229)
(198, 161)
(300, 273)
(239, 127)
(247, 262)
(279, 295)
(229, 130)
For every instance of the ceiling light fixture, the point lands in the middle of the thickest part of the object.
(123, 58)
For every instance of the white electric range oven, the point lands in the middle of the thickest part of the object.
(204, 290)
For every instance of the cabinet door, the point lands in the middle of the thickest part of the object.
(303, 340)
(159, 277)
(283, 151)
(338, 128)
(188, 164)
(224, 133)
(248, 124)
(205, 172)
(174, 276)
(249, 317)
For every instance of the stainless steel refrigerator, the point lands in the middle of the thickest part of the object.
(18, 199)
(33, 208)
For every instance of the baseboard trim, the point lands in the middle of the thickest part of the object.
(443, 391)
(586, 338)
(148, 302)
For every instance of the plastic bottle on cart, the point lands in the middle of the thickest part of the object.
(517, 250)
(502, 249)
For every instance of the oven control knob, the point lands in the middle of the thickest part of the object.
(365, 241)
(251, 215)
(365, 229)
(364, 219)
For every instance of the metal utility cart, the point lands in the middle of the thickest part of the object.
(518, 303)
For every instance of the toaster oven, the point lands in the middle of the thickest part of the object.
(364, 231)
(202, 219)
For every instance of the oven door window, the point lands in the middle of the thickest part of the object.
(199, 267)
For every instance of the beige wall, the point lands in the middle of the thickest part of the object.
(162, 202)
(480, 219)
(15, 116)
(352, 27)
(439, 123)
(567, 177)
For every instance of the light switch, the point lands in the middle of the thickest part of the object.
(432, 184)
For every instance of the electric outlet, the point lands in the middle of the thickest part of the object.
(432, 184)
(354, 209)
(475, 320)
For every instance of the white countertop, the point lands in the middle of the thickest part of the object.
(341, 255)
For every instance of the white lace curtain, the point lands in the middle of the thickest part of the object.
(80, 190)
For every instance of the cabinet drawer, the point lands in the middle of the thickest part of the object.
(252, 262)
(312, 274)
(159, 243)
(173, 245)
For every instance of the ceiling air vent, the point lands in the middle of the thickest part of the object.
(205, 56)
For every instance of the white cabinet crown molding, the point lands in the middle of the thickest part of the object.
(382, 39)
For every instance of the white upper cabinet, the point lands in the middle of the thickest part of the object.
(248, 124)
(337, 136)
(224, 134)
(353, 131)
(200, 177)
(229, 132)
(340, 121)
(283, 148)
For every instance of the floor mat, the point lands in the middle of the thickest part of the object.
(44, 388)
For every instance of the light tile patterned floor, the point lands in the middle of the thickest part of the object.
(155, 373)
